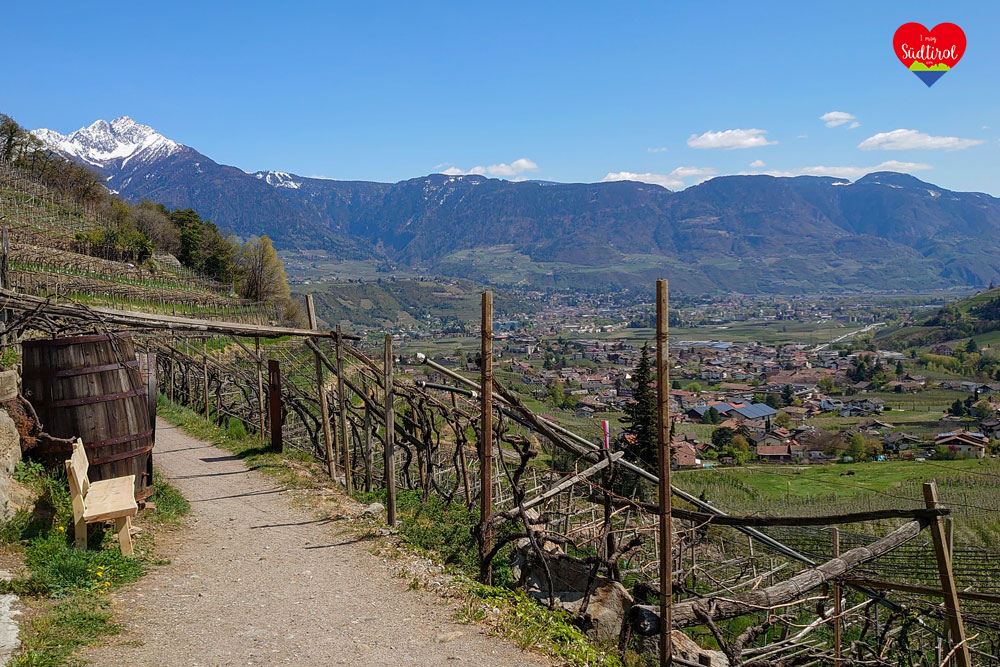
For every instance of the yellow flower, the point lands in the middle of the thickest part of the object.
(100, 574)
(62, 528)
(107, 583)
(89, 570)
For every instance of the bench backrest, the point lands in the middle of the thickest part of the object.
(76, 471)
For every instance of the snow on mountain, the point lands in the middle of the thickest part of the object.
(103, 143)
(279, 179)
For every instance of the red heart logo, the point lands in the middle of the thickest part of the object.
(929, 53)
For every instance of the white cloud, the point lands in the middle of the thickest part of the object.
(835, 118)
(802, 136)
(675, 180)
(902, 140)
(853, 125)
(851, 172)
(730, 139)
(659, 149)
(757, 164)
(515, 168)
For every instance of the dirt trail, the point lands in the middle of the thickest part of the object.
(256, 581)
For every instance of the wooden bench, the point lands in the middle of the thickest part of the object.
(100, 501)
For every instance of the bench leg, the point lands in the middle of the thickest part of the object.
(80, 528)
(122, 527)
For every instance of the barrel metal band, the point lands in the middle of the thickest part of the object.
(77, 340)
(121, 455)
(41, 374)
(89, 400)
(98, 444)
(119, 440)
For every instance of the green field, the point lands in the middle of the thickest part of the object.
(971, 488)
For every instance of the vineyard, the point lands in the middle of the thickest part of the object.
(46, 256)
(576, 526)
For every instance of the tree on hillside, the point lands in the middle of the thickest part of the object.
(787, 395)
(640, 416)
(857, 447)
(722, 438)
(153, 221)
(262, 275)
(712, 416)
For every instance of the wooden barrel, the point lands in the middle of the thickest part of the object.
(90, 387)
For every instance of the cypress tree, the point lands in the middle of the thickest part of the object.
(640, 415)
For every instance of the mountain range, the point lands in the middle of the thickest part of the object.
(748, 234)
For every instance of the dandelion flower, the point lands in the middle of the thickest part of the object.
(62, 528)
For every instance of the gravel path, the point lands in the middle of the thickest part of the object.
(256, 581)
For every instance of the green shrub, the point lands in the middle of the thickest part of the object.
(236, 430)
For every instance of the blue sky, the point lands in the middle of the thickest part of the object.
(557, 91)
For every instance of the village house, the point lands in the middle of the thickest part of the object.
(963, 442)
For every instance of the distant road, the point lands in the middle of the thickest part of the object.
(851, 334)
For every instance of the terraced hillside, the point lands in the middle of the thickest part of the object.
(48, 255)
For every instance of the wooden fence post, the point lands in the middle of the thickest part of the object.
(261, 408)
(274, 402)
(324, 410)
(837, 623)
(962, 655)
(486, 437)
(388, 454)
(204, 371)
(461, 459)
(151, 384)
(4, 277)
(369, 463)
(665, 527)
(342, 413)
(173, 343)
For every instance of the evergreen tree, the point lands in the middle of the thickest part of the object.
(640, 415)
(722, 438)
(787, 395)
(900, 372)
(772, 401)
(712, 416)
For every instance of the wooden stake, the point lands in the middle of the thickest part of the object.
(170, 389)
(951, 604)
(342, 412)
(204, 371)
(390, 434)
(486, 436)
(151, 384)
(324, 409)
(260, 390)
(461, 460)
(274, 402)
(837, 623)
(663, 412)
(368, 449)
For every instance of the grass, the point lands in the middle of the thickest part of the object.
(67, 589)
(971, 488)
(515, 616)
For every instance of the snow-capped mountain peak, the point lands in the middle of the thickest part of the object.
(102, 143)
